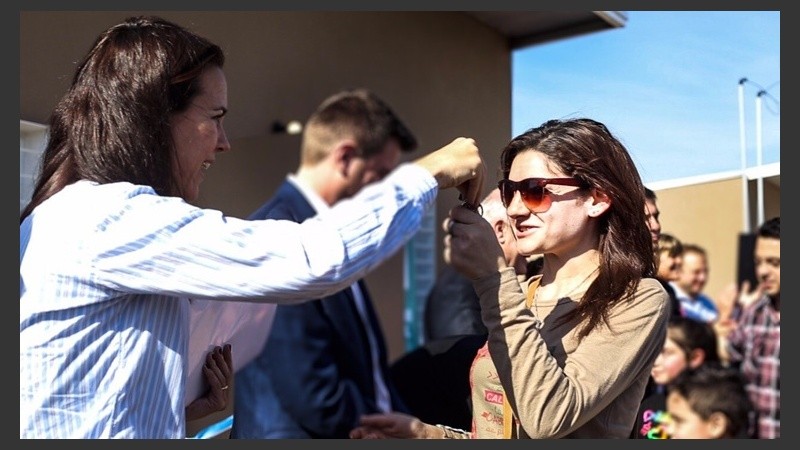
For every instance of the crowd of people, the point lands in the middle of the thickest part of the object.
(566, 312)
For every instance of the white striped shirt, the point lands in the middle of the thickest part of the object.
(105, 271)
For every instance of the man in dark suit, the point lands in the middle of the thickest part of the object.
(325, 362)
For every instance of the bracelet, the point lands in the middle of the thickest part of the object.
(453, 433)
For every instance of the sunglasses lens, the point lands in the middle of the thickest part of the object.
(533, 195)
(507, 189)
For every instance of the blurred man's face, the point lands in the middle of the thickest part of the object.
(365, 171)
(669, 267)
(694, 273)
(651, 213)
(768, 265)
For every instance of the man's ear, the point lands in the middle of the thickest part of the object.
(499, 227)
(600, 203)
(343, 154)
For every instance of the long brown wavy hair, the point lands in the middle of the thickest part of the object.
(586, 149)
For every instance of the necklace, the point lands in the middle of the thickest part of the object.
(538, 323)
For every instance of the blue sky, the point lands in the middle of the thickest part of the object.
(666, 84)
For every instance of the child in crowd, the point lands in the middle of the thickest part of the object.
(708, 403)
(689, 345)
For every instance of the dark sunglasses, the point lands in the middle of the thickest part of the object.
(535, 197)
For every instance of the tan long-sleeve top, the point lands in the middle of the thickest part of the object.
(556, 386)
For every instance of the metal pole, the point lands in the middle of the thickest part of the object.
(760, 176)
(743, 147)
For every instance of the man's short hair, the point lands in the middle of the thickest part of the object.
(771, 228)
(359, 114)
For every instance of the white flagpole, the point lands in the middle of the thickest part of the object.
(743, 146)
(759, 152)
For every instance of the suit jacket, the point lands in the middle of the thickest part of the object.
(452, 307)
(314, 377)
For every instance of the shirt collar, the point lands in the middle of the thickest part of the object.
(310, 195)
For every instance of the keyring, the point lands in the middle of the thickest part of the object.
(474, 208)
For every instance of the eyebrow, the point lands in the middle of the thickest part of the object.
(222, 109)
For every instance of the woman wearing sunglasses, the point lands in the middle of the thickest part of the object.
(570, 352)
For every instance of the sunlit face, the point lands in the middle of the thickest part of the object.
(652, 214)
(197, 132)
(364, 171)
(768, 265)
(684, 423)
(693, 273)
(669, 363)
(560, 229)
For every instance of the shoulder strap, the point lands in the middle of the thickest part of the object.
(532, 290)
(508, 418)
